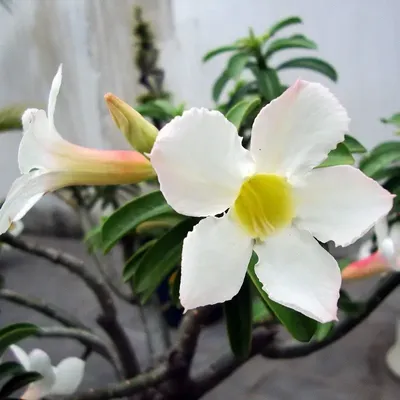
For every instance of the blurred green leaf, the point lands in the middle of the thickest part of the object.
(380, 157)
(157, 109)
(393, 120)
(174, 283)
(161, 259)
(296, 41)
(236, 65)
(93, 238)
(260, 311)
(353, 145)
(339, 156)
(343, 263)
(219, 50)
(238, 316)
(166, 106)
(268, 83)
(238, 113)
(312, 63)
(10, 368)
(14, 333)
(219, 85)
(134, 261)
(283, 24)
(386, 173)
(323, 330)
(18, 382)
(349, 306)
(298, 325)
(129, 216)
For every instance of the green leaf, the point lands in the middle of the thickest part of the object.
(241, 90)
(297, 41)
(219, 85)
(339, 156)
(18, 382)
(386, 173)
(174, 283)
(156, 109)
(238, 315)
(93, 238)
(349, 306)
(268, 83)
(343, 263)
(236, 65)
(14, 333)
(238, 113)
(315, 64)
(10, 368)
(299, 326)
(380, 157)
(323, 330)
(134, 261)
(219, 50)
(353, 145)
(283, 24)
(132, 214)
(166, 106)
(260, 311)
(393, 120)
(161, 259)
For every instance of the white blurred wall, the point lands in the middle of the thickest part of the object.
(361, 38)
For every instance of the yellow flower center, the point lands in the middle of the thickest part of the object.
(264, 204)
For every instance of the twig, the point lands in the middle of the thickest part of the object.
(384, 288)
(228, 363)
(88, 339)
(108, 319)
(128, 387)
(45, 308)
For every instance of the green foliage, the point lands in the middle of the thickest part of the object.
(323, 330)
(353, 145)
(238, 315)
(299, 326)
(348, 305)
(13, 377)
(10, 118)
(133, 263)
(127, 218)
(339, 156)
(160, 259)
(238, 113)
(393, 120)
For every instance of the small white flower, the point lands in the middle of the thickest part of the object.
(61, 380)
(276, 198)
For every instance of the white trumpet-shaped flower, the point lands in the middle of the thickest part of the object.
(270, 199)
(61, 380)
(48, 162)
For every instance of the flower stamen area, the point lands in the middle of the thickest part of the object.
(264, 204)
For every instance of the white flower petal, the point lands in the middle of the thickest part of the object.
(55, 89)
(381, 229)
(340, 203)
(297, 272)
(40, 362)
(215, 257)
(295, 132)
(21, 356)
(24, 193)
(200, 162)
(69, 375)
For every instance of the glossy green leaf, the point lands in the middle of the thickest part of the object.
(387, 173)
(10, 368)
(161, 259)
(14, 333)
(261, 313)
(339, 156)
(236, 65)
(238, 113)
(268, 83)
(323, 330)
(348, 305)
(353, 145)
(312, 63)
(238, 316)
(219, 50)
(298, 325)
(133, 263)
(131, 215)
(174, 283)
(18, 382)
(297, 41)
(283, 24)
(219, 86)
(382, 156)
